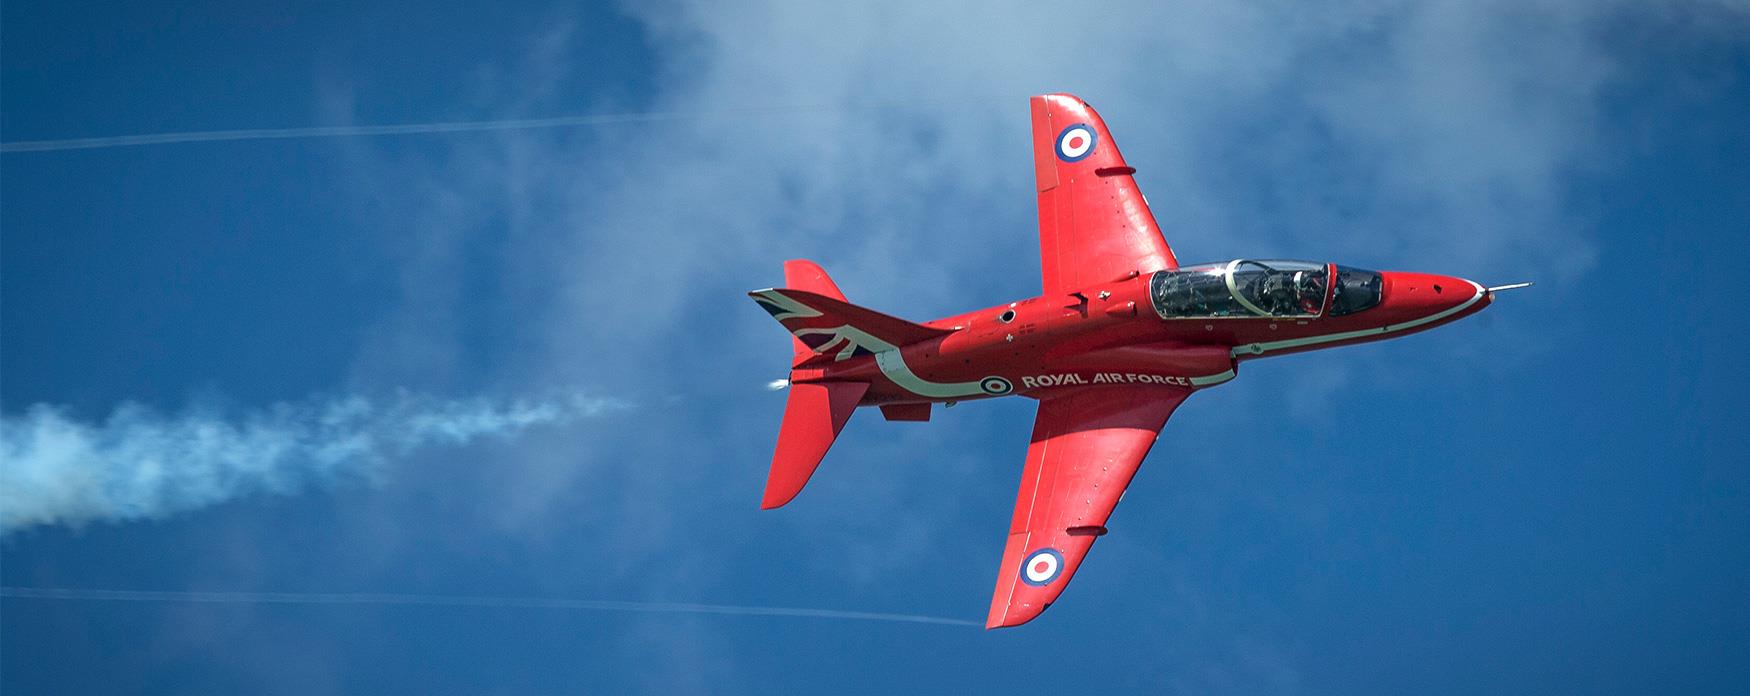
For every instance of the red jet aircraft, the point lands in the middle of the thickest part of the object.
(1120, 337)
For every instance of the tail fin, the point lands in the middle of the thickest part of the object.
(803, 274)
(823, 323)
(813, 417)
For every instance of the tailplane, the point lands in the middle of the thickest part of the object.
(824, 328)
(813, 417)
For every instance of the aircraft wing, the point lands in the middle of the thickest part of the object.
(1086, 447)
(1094, 225)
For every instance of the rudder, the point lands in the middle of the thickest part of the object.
(803, 274)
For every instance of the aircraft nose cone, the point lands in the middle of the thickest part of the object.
(1423, 294)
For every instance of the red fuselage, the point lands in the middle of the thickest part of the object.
(1115, 333)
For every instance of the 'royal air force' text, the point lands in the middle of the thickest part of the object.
(1071, 378)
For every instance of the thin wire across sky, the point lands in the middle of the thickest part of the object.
(429, 600)
(351, 131)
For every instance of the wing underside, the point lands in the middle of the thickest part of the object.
(1094, 224)
(1086, 446)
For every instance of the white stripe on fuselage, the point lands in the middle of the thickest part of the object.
(1265, 347)
(891, 361)
(893, 365)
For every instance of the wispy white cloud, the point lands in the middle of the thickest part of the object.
(141, 463)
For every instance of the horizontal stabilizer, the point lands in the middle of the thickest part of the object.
(813, 417)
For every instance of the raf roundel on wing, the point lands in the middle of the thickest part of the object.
(1041, 567)
(1075, 143)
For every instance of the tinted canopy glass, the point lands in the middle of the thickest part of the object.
(1357, 289)
(1241, 288)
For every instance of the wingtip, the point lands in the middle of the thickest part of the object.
(1011, 616)
(777, 499)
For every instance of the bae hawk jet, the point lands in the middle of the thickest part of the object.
(1119, 337)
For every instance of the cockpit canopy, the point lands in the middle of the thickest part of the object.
(1356, 289)
(1245, 288)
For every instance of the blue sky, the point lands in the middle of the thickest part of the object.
(1547, 498)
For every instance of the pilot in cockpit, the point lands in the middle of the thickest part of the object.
(1287, 294)
(1309, 291)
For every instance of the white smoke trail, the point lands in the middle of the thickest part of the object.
(462, 601)
(140, 463)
